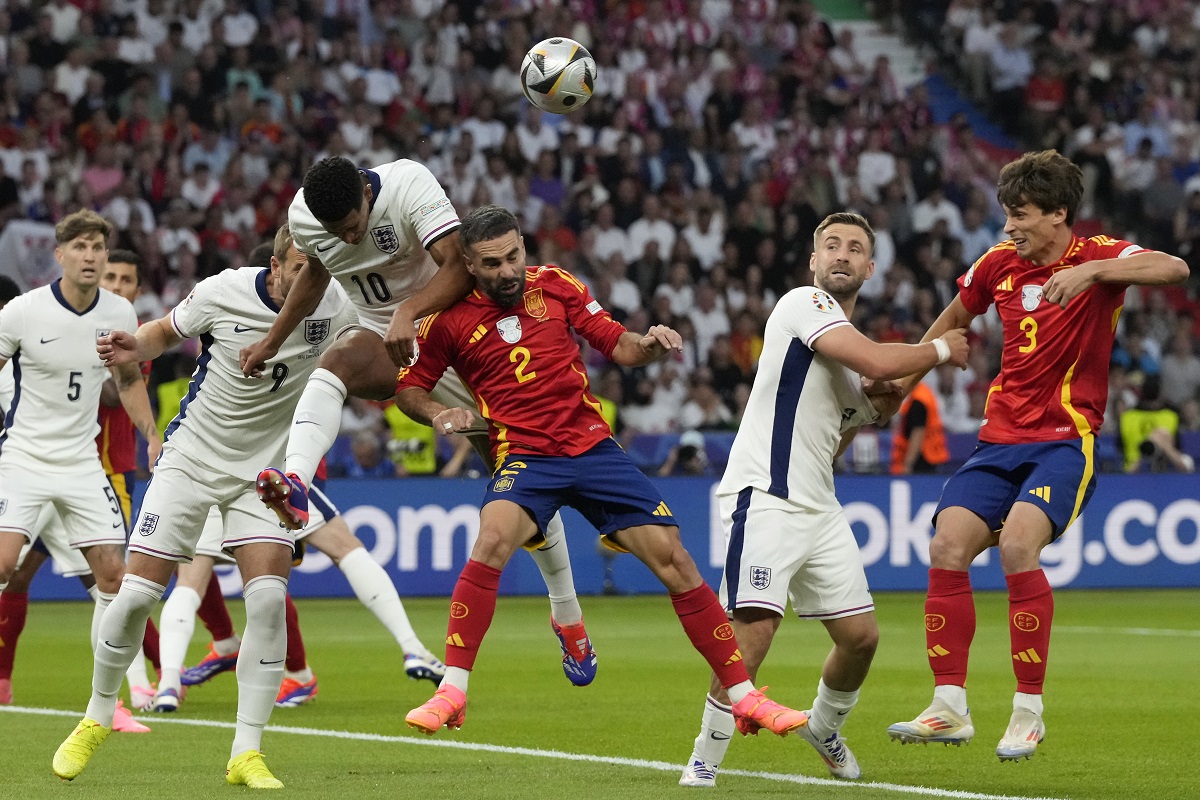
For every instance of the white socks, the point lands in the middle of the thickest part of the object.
(103, 600)
(457, 677)
(176, 625)
(716, 729)
(376, 591)
(830, 710)
(953, 696)
(1032, 702)
(554, 562)
(118, 641)
(260, 663)
(315, 424)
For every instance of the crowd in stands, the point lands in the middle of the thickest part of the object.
(685, 192)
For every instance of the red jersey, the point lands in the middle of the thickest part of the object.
(522, 364)
(1053, 381)
(116, 442)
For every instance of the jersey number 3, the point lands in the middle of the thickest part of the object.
(1029, 328)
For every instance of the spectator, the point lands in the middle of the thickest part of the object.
(1180, 373)
(918, 436)
(368, 458)
(688, 458)
(1150, 434)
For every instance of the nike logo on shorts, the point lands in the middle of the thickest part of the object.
(326, 249)
(239, 328)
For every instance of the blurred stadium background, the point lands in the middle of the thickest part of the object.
(684, 193)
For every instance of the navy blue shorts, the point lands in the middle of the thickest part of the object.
(1057, 477)
(602, 484)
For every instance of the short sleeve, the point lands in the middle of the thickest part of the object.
(12, 322)
(974, 288)
(428, 208)
(199, 311)
(807, 313)
(585, 314)
(303, 226)
(434, 351)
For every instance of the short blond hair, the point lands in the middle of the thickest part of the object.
(283, 240)
(81, 223)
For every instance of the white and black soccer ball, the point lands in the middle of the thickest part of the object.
(558, 75)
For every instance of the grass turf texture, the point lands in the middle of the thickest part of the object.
(1122, 709)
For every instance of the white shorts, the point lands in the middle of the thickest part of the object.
(777, 551)
(52, 537)
(212, 538)
(86, 503)
(177, 504)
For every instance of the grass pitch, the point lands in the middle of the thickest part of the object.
(1122, 709)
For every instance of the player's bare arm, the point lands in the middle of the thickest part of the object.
(150, 342)
(109, 396)
(1142, 269)
(136, 401)
(451, 283)
(417, 404)
(634, 349)
(886, 362)
(303, 297)
(954, 316)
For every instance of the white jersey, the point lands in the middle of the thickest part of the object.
(229, 422)
(57, 375)
(409, 212)
(6, 389)
(800, 405)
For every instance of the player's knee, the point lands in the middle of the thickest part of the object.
(948, 551)
(865, 644)
(1018, 554)
(493, 547)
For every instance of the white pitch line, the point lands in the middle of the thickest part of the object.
(661, 766)
(1127, 631)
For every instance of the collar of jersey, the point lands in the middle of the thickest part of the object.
(376, 184)
(260, 285)
(58, 295)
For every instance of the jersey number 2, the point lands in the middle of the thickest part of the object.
(520, 356)
(1029, 327)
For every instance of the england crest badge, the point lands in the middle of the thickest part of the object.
(1031, 297)
(148, 524)
(760, 577)
(386, 239)
(316, 330)
(509, 329)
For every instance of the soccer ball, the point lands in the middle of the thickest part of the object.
(558, 75)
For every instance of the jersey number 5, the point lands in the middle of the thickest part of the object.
(520, 356)
(1029, 327)
(73, 386)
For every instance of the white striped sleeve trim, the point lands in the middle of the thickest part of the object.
(438, 231)
(837, 323)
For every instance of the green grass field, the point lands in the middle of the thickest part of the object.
(1122, 709)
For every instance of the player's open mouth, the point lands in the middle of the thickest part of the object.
(1020, 242)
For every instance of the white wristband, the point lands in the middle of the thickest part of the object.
(943, 350)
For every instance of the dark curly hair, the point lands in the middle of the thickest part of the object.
(333, 188)
(486, 223)
(1045, 179)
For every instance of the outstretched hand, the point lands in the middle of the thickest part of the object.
(118, 347)
(660, 340)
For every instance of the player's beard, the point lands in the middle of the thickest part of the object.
(841, 287)
(506, 293)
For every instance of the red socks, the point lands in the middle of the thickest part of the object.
(13, 608)
(150, 644)
(213, 613)
(1030, 614)
(949, 625)
(297, 659)
(709, 630)
(472, 607)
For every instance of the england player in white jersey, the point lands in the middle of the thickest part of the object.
(375, 230)
(786, 535)
(48, 450)
(226, 425)
(326, 532)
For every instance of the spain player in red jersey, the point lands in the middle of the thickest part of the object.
(511, 341)
(1032, 473)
